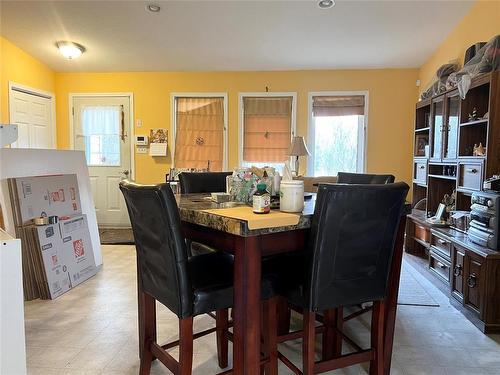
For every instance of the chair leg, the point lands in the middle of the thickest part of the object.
(147, 331)
(339, 325)
(222, 325)
(377, 338)
(308, 343)
(284, 313)
(186, 346)
(328, 338)
(332, 339)
(270, 334)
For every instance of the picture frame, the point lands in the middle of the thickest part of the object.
(421, 144)
(440, 211)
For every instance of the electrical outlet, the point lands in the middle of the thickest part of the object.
(138, 123)
(142, 150)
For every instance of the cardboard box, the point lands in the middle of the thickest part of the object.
(47, 196)
(56, 260)
(78, 247)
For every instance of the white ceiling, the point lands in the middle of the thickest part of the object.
(232, 34)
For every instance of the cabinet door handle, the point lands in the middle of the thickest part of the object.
(472, 280)
(457, 270)
(440, 265)
(422, 167)
(471, 170)
(442, 242)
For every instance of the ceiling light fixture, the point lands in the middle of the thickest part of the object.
(155, 8)
(326, 4)
(70, 50)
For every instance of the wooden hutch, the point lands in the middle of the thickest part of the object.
(444, 162)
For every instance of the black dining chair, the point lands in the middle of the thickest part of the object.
(187, 286)
(347, 262)
(364, 178)
(203, 182)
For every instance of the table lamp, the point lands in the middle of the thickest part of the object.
(298, 148)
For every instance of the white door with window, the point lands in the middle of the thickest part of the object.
(102, 129)
(32, 113)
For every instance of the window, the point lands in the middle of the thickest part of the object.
(336, 133)
(267, 125)
(200, 131)
(101, 132)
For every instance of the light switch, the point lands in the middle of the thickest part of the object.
(142, 150)
(138, 123)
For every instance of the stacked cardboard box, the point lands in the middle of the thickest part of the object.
(59, 256)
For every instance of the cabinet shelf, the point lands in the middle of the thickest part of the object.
(475, 122)
(443, 177)
(471, 157)
(422, 130)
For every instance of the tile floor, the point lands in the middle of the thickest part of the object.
(93, 330)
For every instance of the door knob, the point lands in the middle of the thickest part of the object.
(125, 172)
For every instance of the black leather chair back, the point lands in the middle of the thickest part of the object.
(161, 249)
(203, 182)
(352, 243)
(363, 178)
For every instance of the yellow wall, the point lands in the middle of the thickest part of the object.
(391, 110)
(19, 67)
(480, 24)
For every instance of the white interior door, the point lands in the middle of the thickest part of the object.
(101, 129)
(33, 116)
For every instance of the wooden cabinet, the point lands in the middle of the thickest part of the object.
(447, 129)
(474, 282)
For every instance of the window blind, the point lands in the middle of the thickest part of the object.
(199, 133)
(266, 128)
(338, 105)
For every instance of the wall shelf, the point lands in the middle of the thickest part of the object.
(475, 122)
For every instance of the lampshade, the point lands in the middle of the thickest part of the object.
(298, 147)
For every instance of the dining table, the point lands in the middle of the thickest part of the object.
(201, 223)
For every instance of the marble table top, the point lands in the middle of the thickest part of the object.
(192, 206)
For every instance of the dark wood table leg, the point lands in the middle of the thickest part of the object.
(247, 290)
(391, 302)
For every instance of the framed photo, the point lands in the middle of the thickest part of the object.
(440, 211)
(421, 141)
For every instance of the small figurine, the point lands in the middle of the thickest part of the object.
(449, 201)
(473, 115)
(479, 150)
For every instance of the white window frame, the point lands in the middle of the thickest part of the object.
(173, 106)
(241, 117)
(362, 133)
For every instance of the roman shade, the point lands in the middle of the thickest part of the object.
(338, 105)
(199, 133)
(266, 128)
